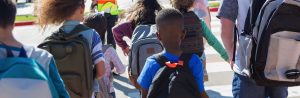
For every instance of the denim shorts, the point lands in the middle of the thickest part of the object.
(244, 87)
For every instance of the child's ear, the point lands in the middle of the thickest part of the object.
(158, 35)
(82, 10)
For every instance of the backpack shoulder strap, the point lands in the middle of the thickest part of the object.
(61, 34)
(161, 59)
(235, 41)
(186, 58)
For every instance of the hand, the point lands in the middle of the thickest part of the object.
(231, 63)
(126, 51)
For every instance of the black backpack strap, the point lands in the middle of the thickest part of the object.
(186, 57)
(61, 34)
(236, 36)
(161, 59)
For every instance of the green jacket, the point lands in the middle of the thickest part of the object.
(213, 41)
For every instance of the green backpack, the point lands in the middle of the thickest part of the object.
(72, 53)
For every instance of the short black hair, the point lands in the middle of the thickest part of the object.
(167, 15)
(8, 13)
(98, 22)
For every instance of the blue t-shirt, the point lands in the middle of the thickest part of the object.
(151, 67)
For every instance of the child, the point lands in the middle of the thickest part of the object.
(70, 13)
(170, 27)
(143, 12)
(110, 55)
(196, 31)
(98, 22)
(8, 42)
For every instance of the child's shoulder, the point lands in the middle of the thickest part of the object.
(195, 59)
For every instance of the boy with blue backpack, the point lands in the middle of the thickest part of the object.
(25, 71)
(172, 74)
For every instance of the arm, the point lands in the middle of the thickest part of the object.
(147, 75)
(228, 13)
(227, 35)
(196, 68)
(57, 81)
(203, 95)
(97, 55)
(144, 93)
(120, 31)
(207, 18)
(214, 42)
(100, 69)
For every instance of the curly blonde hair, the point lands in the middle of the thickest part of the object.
(182, 5)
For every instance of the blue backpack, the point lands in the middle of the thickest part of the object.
(22, 77)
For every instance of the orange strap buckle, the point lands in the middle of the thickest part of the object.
(174, 65)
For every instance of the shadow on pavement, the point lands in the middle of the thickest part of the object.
(122, 78)
(214, 94)
(124, 87)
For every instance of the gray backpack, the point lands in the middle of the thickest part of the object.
(73, 58)
(257, 19)
(144, 44)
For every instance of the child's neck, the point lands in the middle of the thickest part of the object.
(7, 38)
(174, 51)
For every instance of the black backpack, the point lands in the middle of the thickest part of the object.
(72, 54)
(176, 82)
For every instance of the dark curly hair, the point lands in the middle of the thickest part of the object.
(98, 22)
(143, 11)
(182, 5)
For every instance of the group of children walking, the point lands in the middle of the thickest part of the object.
(179, 30)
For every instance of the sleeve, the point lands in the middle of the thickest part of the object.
(119, 32)
(228, 9)
(57, 80)
(113, 56)
(196, 67)
(213, 41)
(148, 73)
(97, 54)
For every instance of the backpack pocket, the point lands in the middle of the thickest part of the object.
(73, 82)
(283, 63)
